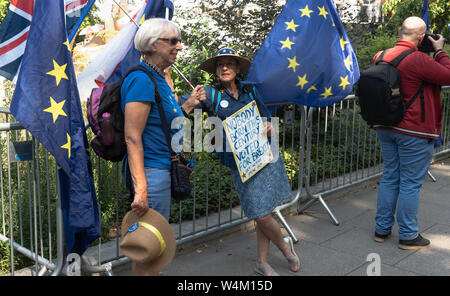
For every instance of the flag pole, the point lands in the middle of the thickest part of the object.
(175, 67)
(126, 13)
(80, 20)
(167, 17)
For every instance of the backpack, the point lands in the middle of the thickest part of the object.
(106, 120)
(379, 91)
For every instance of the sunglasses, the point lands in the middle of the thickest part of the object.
(228, 65)
(172, 41)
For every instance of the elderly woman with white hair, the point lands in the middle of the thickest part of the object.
(158, 41)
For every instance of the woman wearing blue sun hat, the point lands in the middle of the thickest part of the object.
(269, 187)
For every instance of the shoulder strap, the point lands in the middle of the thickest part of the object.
(422, 100)
(162, 115)
(380, 58)
(251, 93)
(213, 95)
(398, 59)
(216, 96)
(135, 68)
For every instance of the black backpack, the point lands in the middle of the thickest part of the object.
(106, 120)
(380, 96)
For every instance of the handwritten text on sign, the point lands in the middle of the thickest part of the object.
(250, 147)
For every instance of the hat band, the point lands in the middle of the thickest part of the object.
(157, 234)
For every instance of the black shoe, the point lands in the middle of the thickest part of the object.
(380, 238)
(415, 244)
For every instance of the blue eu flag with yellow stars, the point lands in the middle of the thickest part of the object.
(307, 57)
(47, 103)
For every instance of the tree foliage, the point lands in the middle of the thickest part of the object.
(438, 13)
(387, 34)
(246, 22)
(213, 24)
(4, 4)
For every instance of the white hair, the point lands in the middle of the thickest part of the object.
(149, 32)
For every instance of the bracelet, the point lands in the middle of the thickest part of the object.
(184, 111)
(438, 52)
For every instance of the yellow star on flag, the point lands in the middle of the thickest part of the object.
(302, 81)
(293, 63)
(67, 44)
(142, 20)
(343, 43)
(347, 63)
(323, 12)
(287, 43)
(310, 89)
(291, 25)
(175, 110)
(67, 145)
(306, 11)
(327, 92)
(344, 82)
(59, 72)
(56, 109)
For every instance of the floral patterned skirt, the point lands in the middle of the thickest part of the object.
(263, 192)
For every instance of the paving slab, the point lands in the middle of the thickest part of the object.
(226, 257)
(315, 229)
(385, 270)
(434, 260)
(316, 260)
(359, 242)
(366, 221)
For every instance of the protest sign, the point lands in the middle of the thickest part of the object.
(250, 147)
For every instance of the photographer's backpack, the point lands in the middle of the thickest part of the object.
(106, 120)
(379, 91)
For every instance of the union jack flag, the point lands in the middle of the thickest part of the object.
(15, 28)
(74, 10)
(13, 36)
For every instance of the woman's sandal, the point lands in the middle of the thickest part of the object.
(265, 269)
(292, 258)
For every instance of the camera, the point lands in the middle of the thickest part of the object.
(426, 45)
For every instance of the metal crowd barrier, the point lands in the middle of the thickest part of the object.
(324, 150)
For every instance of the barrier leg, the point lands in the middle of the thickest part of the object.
(286, 226)
(295, 199)
(431, 176)
(313, 197)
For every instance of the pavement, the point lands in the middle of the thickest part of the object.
(328, 250)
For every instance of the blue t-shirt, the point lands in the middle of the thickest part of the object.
(138, 87)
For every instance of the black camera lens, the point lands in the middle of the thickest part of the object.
(426, 45)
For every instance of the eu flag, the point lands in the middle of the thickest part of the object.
(47, 103)
(307, 57)
(425, 14)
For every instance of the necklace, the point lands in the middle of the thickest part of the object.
(154, 68)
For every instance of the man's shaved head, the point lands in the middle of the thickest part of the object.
(413, 26)
(413, 29)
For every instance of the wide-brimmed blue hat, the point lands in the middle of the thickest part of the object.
(210, 64)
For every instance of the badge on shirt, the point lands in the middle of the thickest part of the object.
(224, 104)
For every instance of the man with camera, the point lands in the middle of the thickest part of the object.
(407, 147)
